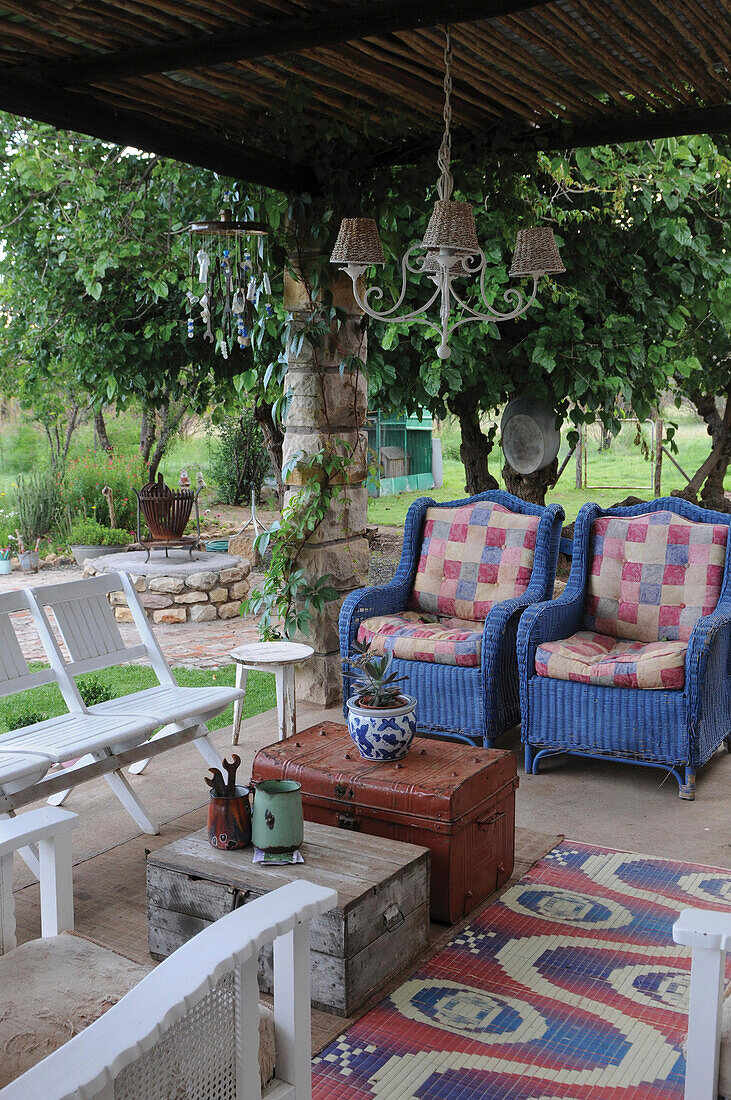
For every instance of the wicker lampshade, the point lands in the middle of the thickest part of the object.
(358, 243)
(536, 253)
(452, 225)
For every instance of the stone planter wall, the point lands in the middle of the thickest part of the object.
(180, 594)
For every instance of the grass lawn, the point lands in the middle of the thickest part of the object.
(47, 702)
(622, 466)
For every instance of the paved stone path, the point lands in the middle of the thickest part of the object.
(186, 645)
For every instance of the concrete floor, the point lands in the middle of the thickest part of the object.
(621, 806)
(627, 807)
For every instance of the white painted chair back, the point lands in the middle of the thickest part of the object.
(190, 1029)
(89, 629)
(15, 676)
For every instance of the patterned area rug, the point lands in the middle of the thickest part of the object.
(569, 986)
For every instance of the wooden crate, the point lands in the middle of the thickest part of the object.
(380, 925)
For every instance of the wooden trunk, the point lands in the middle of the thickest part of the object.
(456, 800)
(381, 922)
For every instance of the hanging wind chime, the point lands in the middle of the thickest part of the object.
(229, 283)
(449, 252)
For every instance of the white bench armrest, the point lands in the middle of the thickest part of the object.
(709, 936)
(29, 828)
(90, 1062)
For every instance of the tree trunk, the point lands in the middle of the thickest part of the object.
(474, 448)
(710, 476)
(273, 440)
(71, 426)
(147, 434)
(170, 418)
(100, 428)
(531, 487)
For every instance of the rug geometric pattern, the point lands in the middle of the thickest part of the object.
(569, 986)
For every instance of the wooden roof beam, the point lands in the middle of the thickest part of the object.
(341, 24)
(68, 111)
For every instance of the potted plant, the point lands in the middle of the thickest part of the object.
(5, 563)
(90, 539)
(27, 556)
(381, 719)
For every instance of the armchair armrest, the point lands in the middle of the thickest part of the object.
(707, 664)
(546, 622)
(386, 599)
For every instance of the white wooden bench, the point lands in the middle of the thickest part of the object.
(105, 738)
(27, 754)
(190, 1028)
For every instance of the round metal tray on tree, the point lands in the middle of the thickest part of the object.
(529, 436)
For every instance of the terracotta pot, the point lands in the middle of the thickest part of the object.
(229, 820)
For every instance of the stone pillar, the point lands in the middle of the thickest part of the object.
(329, 407)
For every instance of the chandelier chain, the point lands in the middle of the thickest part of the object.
(446, 180)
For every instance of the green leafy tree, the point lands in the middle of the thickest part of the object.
(643, 232)
(94, 280)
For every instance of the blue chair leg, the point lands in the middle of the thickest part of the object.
(529, 754)
(687, 789)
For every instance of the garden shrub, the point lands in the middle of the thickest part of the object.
(28, 715)
(39, 502)
(93, 690)
(86, 476)
(239, 460)
(88, 532)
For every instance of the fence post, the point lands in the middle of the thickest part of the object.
(657, 471)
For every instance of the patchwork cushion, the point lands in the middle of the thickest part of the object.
(653, 576)
(590, 658)
(473, 557)
(412, 636)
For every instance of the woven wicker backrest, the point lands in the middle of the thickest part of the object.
(472, 557)
(652, 576)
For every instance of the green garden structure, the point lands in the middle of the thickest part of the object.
(402, 446)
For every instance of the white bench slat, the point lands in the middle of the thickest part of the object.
(87, 626)
(72, 735)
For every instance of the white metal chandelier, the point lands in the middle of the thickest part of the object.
(448, 252)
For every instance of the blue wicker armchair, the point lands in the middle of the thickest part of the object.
(468, 570)
(633, 661)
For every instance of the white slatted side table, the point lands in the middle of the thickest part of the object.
(279, 658)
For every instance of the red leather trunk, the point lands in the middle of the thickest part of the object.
(456, 800)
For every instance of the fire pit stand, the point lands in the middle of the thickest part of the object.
(166, 512)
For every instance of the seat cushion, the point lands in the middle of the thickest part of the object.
(53, 988)
(413, 636)
(600, 659)
(653, 576)
(471, 558)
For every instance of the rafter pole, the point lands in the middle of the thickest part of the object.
(644, 126)
(69, 111)
(341, 24)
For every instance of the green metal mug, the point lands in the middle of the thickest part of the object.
(277, 824)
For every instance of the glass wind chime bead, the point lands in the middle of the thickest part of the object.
(229, 283)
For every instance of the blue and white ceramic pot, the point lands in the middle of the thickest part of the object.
(382, 734)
